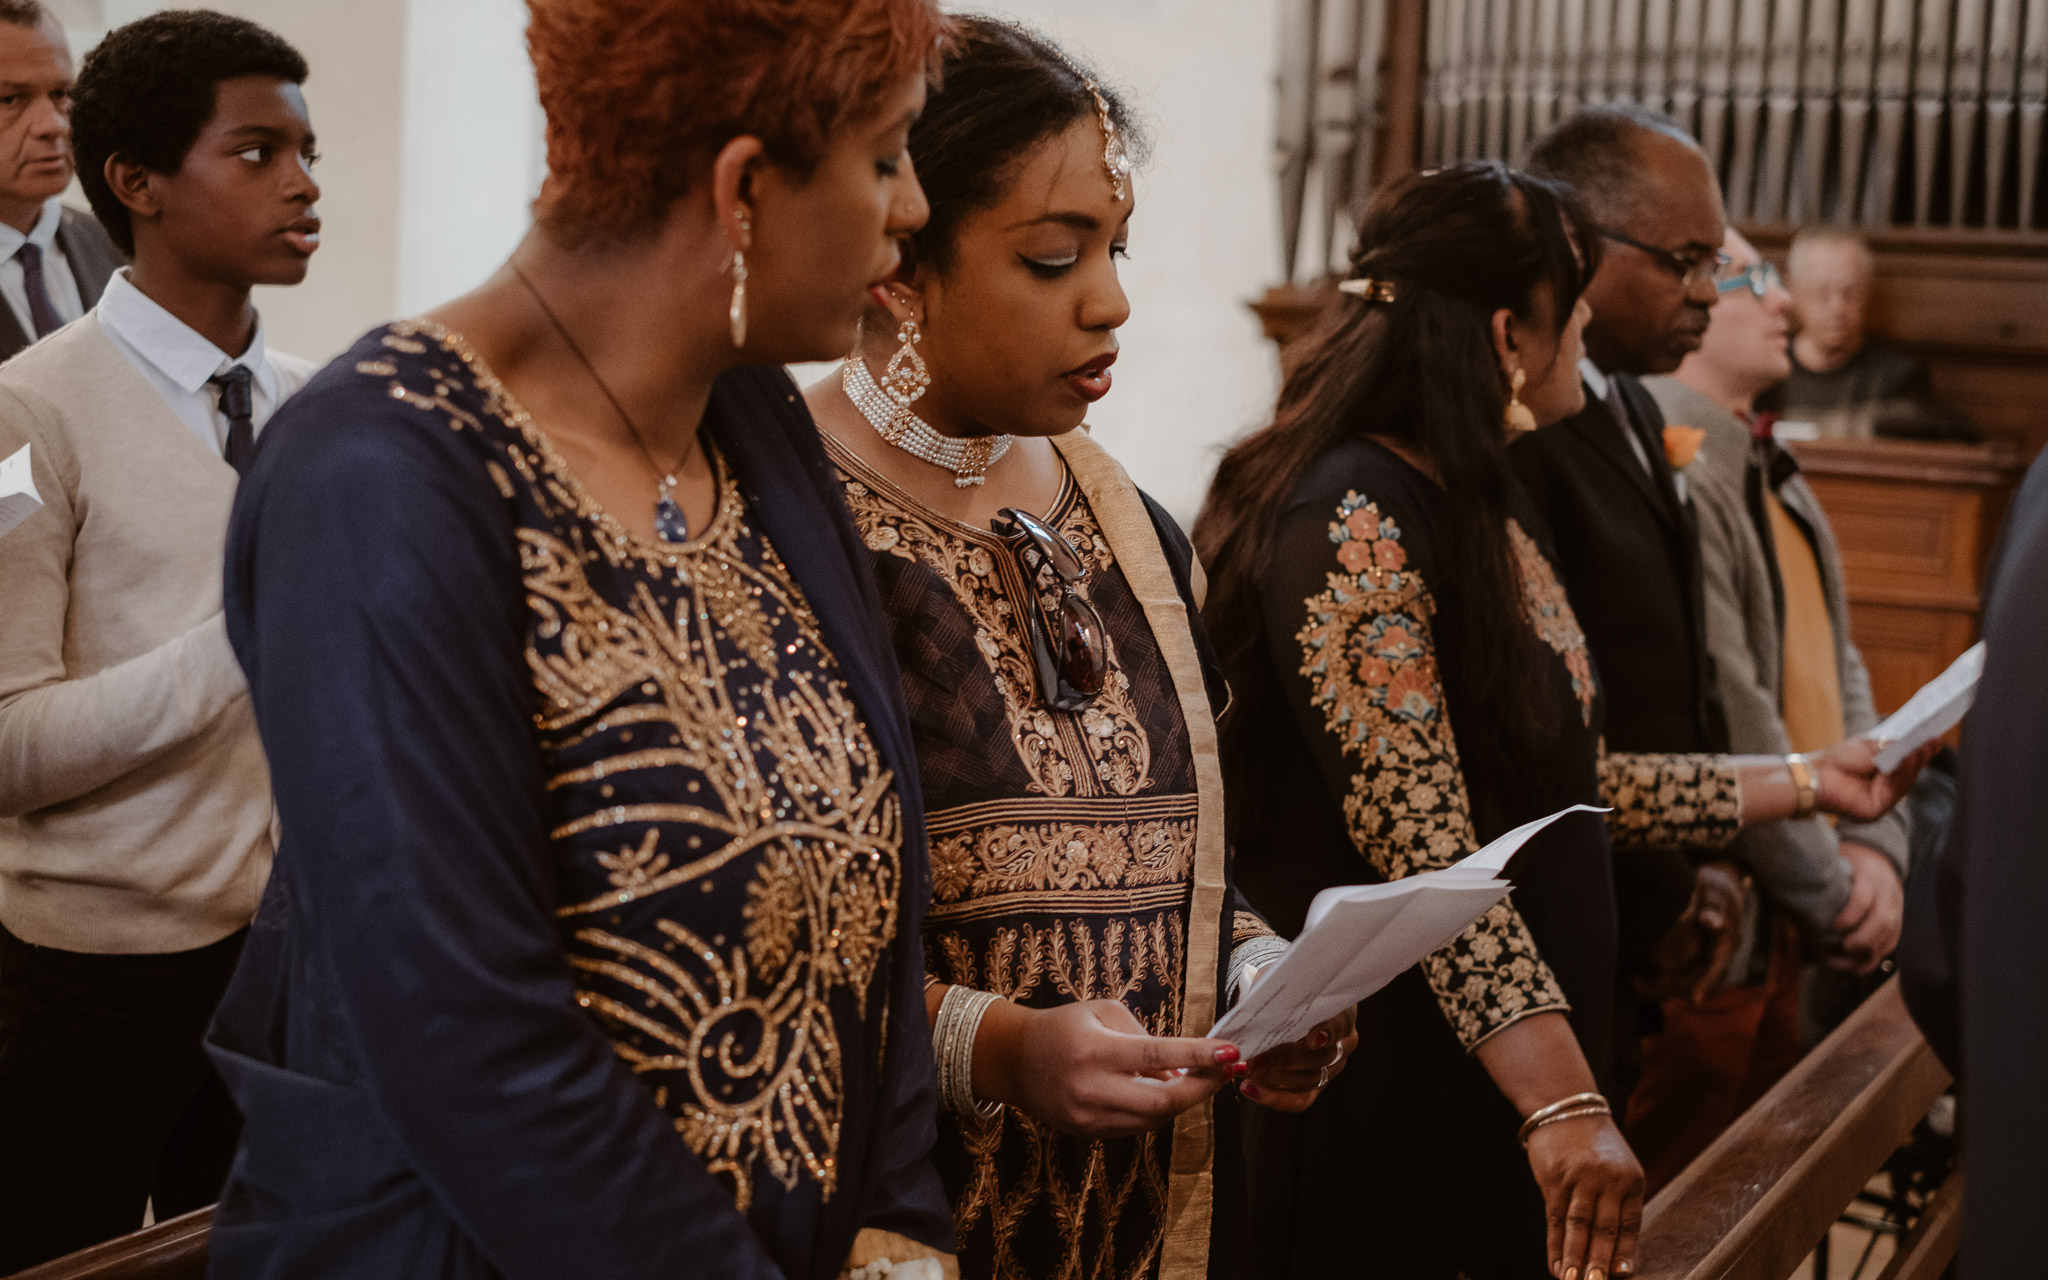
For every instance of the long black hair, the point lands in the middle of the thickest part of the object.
(1006, 91)
(1457, 244)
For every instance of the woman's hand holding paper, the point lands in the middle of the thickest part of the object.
(1290, 1077)
(1092, 1069)
(1852, 785)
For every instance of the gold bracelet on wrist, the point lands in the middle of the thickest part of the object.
(1539, 1115)
(1574, 1114)
(1809, 788)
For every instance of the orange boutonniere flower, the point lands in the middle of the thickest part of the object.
(1682, 444)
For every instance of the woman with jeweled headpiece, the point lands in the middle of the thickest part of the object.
(593, 943)
(1083, 936)
(1411, 681)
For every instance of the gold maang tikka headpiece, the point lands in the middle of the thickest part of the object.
(1114, 158)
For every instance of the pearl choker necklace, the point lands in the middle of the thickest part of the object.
(968, 459)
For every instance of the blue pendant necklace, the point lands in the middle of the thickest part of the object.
(670, 525)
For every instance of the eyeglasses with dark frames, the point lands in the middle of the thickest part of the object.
(1758, 277)
(1069, 646)
(1687, 264)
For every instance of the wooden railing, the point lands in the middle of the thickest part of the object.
(174, 1250)
(1756, 1202)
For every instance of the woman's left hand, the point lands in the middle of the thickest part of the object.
(1850, 784)
(1289, 1078)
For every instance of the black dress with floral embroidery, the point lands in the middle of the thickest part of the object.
(1408, 1165)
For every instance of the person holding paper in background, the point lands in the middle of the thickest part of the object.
(135, 806)
(1410, 679)
(1791, 679)
(1083, 934)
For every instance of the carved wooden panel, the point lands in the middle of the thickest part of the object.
(1915, 522)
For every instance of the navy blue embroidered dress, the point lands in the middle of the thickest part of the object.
(592, 946)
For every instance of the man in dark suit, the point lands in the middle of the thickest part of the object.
(1627, 545)
(54, 261)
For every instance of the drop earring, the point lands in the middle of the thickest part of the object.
(886, 406)
(1516, 416)
(736, 312)
(904, 378)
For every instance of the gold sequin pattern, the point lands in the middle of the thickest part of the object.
(728, 839)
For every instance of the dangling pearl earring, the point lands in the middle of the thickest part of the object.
(736, 313)
(1516, 416)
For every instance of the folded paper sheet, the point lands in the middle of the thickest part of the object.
(1358, 938)
(18, 497)
(1938, 707)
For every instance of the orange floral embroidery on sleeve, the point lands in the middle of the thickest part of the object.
(1368, 654)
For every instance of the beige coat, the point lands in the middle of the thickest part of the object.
(1798, 864)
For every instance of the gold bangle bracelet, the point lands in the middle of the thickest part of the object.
(1601, 1110)
(1540, 1114)
(1802, 777)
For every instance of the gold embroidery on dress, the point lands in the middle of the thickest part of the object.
(1077, 961)
(1667, 800)
(1550, 612)
(782, 774)
(1070, 860)
(1109, 753)
(1370, 659)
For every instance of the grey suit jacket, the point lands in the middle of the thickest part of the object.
(1798, 864)
(93, 259)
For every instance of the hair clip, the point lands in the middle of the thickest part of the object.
(1368, 288)
(1114, 158)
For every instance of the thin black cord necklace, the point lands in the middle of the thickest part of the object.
(670, 524)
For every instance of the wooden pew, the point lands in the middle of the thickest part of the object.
(1757, 1201)
(173, 1250)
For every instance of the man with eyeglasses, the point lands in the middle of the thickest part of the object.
(1790, 679)
(1625, 536)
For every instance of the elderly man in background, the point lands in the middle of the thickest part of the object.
(54, 262)
(1790, 679)
(1840, 378)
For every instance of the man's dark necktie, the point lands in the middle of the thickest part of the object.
(33, 282)
(237, 406)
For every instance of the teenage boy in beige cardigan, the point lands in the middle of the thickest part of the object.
(135, 815)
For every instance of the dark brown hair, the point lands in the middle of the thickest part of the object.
(1007, 90)
(640, 94)
(1458, 244)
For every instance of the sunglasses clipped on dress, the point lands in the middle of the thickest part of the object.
(1068, 645)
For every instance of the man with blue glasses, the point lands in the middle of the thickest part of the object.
(1790, 679)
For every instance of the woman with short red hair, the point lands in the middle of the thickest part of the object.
(592, 944)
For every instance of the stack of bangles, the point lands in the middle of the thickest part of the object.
(1579, 1104)
(953, 1033)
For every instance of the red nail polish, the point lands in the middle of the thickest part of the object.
(1250, 1090)
(1240, 1071)
(1319, 1039)
(1227, 1054)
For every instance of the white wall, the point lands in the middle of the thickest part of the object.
(430, 138)
(1195, 371)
